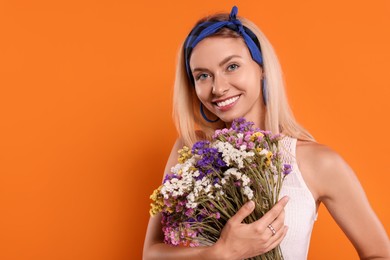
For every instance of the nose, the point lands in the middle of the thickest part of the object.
(220, 85)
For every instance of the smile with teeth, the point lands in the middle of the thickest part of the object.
(227, 101)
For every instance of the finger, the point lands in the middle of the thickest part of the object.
(277, 226)
(278, 223)
(243, 212)
(273, 213)
(272, 242)
(278, 238)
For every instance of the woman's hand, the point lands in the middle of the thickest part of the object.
(239, 240)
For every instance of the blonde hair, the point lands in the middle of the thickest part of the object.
(278, 118)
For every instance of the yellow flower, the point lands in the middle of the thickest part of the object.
(158, 202)
(184, 154)
(255, 135)
(170, 210)
(268, 160)
(155, 193)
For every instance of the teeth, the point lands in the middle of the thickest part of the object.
(227, 102)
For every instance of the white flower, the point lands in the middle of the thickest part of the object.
(175, 169)
(207, 189)
(231, 171)
(191, 197)
(234, 172)
(264, 152)
(248, 192)
(210, 196)
(245, 180)
(231, 155)
(196, 174)
(190, 205)
(237, 175)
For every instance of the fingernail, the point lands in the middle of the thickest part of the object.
(250, 205)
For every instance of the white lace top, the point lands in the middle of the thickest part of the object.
(300, 210)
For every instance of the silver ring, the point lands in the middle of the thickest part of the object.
(272, 229)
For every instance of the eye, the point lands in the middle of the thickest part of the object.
(202, 76)
(232, 67)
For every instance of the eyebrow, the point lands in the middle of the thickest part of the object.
(226, 60)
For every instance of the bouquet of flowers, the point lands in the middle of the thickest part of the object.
(214, 179)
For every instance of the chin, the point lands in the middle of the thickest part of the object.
(230, 118)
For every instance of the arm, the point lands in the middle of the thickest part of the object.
(340, 191)
(237, 240)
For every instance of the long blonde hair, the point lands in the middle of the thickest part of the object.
(279, 117)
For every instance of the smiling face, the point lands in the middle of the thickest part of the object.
(228, 80)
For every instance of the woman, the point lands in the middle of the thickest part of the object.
(227, 69)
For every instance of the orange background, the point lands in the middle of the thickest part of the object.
(85, 112)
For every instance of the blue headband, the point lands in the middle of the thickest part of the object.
(206, 29)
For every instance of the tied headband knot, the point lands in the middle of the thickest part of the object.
(206, 29)
(233, 13)
(234, 21)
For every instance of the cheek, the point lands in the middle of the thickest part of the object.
(249, 81)
(201, 92)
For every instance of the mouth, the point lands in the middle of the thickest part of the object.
(226, 103)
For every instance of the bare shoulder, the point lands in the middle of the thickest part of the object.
(321, 167)
(315, 153)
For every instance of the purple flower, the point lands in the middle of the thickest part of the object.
(239, 142)
(240, 125)
(275, 137)
(266, 132)
(180, 205)
(189, 212)
(167, 203)
(171, 176)
(231, 139)
(287, 169)
(200, 147)
(210, 159)
(250, 145)
(200, 218)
